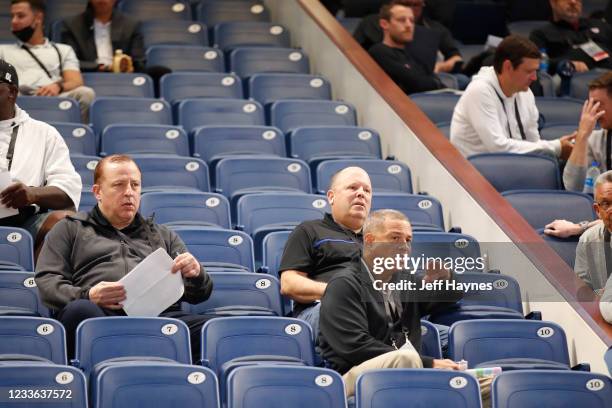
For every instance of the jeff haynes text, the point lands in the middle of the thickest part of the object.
(435, 285)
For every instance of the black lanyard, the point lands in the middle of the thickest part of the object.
(516, 112)
(11, 149)
(607, 251)
(608, 150)
(59, 56)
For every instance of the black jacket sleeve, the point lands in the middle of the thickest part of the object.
(73, 32)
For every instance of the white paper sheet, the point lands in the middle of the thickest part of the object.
(5, 181)
(150, 287)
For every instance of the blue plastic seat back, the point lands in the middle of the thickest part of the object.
(218, 245)
(144, 139)
(579, 85)
(246, 61)
(18, 290)
(85, 165)
(423, 211)
(608, 359)
(242, 289)
(162, 385)
(316, 143)
(478, 341)
(385, 175)
(114, 110)
(563, 389)
(227, 338)
(444, 127)
(171, 173)
(438, 107)
(186, 85)
(505, 292)
(103, 338)
(430, 340)
(65, 385)
(51, 108)
(555, 131)
(186, 58)
(548, 85)
(509, 171)
(157, 9)
(17, 248)
(111, 84)
(213, 13)
(446, 245)
(542, 207)
(422, 387)
(292, 386)
(268, 88)
(33, 336)
(211, 143)
(187, 208)
(250, 33)
(173, 32)
(6, 36)
(290, 114)
(193, 113)
(79, 138)
(564, 247)
(556, 110)
(88, 201)
(273, 246)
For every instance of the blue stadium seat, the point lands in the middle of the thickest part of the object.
(430, 340)
(19, 295)
(239, 294)
(79, 138)
(103, 338)
(293, 386)
(559, 389)
(272, 251)
(185, 58)
(438, 107)
(186, 85)
(290, 114)
(193, 113)
(250, 33)
(422, 387)
(227, 250)
(88, 201)
(510, 344)
(579, 85)
(16, 249)
(541, 207)
(51, 108)
(548, 85)
(564, 247)
(114, 110)
(155, 385)
(448, 80)
(608, 359)
(129, 85)
(555, 131)
(173, 32)
(187, 208)
(236, 176)
(85, 165)
(213, 13)
(444, 127)
(423, 211)
(268, 88)
(557, 110)
(386, 175)
(32, 336)
(510, 171)
(246, 61)
(65, 385)
(156, 9)
(445, 244)
(349, 23)
(144, 139)
(167, 173)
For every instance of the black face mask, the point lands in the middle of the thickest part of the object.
(24, 34)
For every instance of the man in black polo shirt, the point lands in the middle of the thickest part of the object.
(316, 248)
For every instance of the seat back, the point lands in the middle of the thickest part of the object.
(250, 33)
(318, 142)
(18, 290)
(193, 113)
(423, 211)
(85, 166)
(177, 58)
(579, 85)
(186, 85)
(33, 336)
(173, 32)
(272, 250)
(88, 201)
(111, 84)
(17, 248)
(558, 110)
(552, 132)
(79, 138)
(207, 209)
(268, 88)
(499, 290)
(446, 245)
(144, 139)
(51, 108)
(386, 175)
(213, 13)
(564, 247)
(246, 61)
(168, 172)
(430, 340)
(438, 107)
(157, 9)
(289, 114)
(114, 110)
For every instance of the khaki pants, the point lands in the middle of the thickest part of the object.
(84, 96)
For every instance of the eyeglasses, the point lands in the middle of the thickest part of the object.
(604, 205)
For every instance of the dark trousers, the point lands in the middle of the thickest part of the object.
(77, 311)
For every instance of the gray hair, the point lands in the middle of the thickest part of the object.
(603, 178)
(377, 218)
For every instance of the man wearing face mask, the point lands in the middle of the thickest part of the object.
(45, 68)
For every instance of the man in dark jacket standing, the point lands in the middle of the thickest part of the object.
(365, 322)
(85, 255)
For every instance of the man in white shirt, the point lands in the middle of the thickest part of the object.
(45, 68)
(39, 164)
(497, 112)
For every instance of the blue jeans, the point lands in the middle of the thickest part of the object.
(311, 315)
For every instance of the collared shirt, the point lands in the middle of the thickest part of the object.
(104, 45)
(30, 73)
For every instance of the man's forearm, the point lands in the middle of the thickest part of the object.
(51, 197)
(300, 288)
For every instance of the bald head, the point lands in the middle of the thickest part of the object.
(350, 197)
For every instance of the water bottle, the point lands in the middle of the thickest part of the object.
(591, 176)
(544, 60)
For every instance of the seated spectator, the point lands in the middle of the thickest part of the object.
(410, 74)
(364, 327)
(498, 113)
(38, 160)
(566, 229)
(88, 253)
(592, 145)
(45, 68)
(586, 43)
(594, 251)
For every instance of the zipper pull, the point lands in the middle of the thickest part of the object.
(393, 343)
(406, 333)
